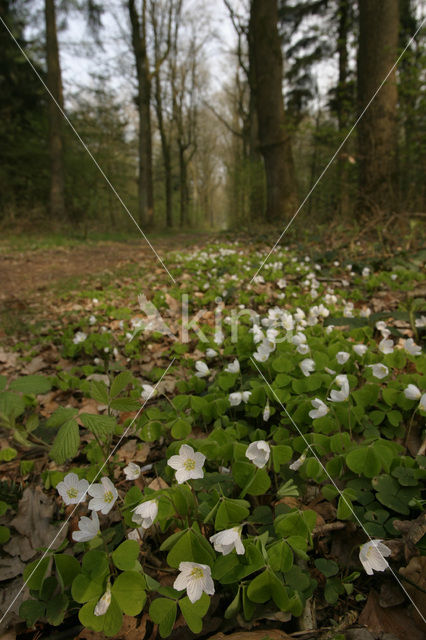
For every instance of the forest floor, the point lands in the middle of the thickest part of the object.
(68, 316)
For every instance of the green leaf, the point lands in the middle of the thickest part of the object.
(7, 454)
(234, 607)
(4, 534)
(231, 512)
(344, 508)
(99, 391)
(151, 431)
(67, 567)
(191, 547)
(125, 404)
(280, 455)
(120, 382)
(61, 415)
(31, 611)
(163, 612)
(12, 405)
(129, 591)
(34, 384)
(100, 426)
(252, 480)
(364, 461)
(35, 573)
(194, 612)
(56, 609)
(181, 429)
(95, 563)
(327, 567)
(84, 588)
(125, 555)
(66, 443)
(280, 556)
(110, 623)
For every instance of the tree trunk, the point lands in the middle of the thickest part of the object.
(377, 130)
(274, 139)
(343, 104)
(145, 185)
(183, 188)
(165, 149)
(56, 145)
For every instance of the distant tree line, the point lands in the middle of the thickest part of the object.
(182, 157)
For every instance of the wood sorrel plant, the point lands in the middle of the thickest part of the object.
(261, 437)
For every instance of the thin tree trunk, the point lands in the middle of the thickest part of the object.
(56, 145)
(343, 104)
(183, 188)
(145, 184)
(377, 131)
(274, 139)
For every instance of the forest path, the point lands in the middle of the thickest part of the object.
(32, 271)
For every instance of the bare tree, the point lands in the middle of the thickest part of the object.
(162, 22)
(54, 83)
(184, 82)
(139, 44)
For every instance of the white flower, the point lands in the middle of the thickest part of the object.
(103, 603)
(188, 464)
(412, 392)
(298, 463)
(89, 528)
(365, 312)
(103, 495)
(71, 489)
(80, 336)
(386, 346)
(225, 541)
(303, 349)
(307, 365)
(299, 338)
(420, 322)
(360, 349)
(202, 369)
(372, 555)
(343, 394)
(365, 272)
(266, 412)
(196, 579)
(238, 397)
(422, 403)
(211, 353)
(342, 357)
(132, 471)
(320, 409)
(412, 348)
(379, 370)
(282, 283)
(233, 367)
(258, 452)
(381, 325)
(136, 534)
(148, 392)
(145, 513)
(92, 319)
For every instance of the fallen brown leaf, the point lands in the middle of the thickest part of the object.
(391, 620)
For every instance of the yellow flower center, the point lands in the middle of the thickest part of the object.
(108, 496)
(189, 464)
(197, 573)
(72, 493)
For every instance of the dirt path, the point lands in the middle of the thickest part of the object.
(22, 273)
